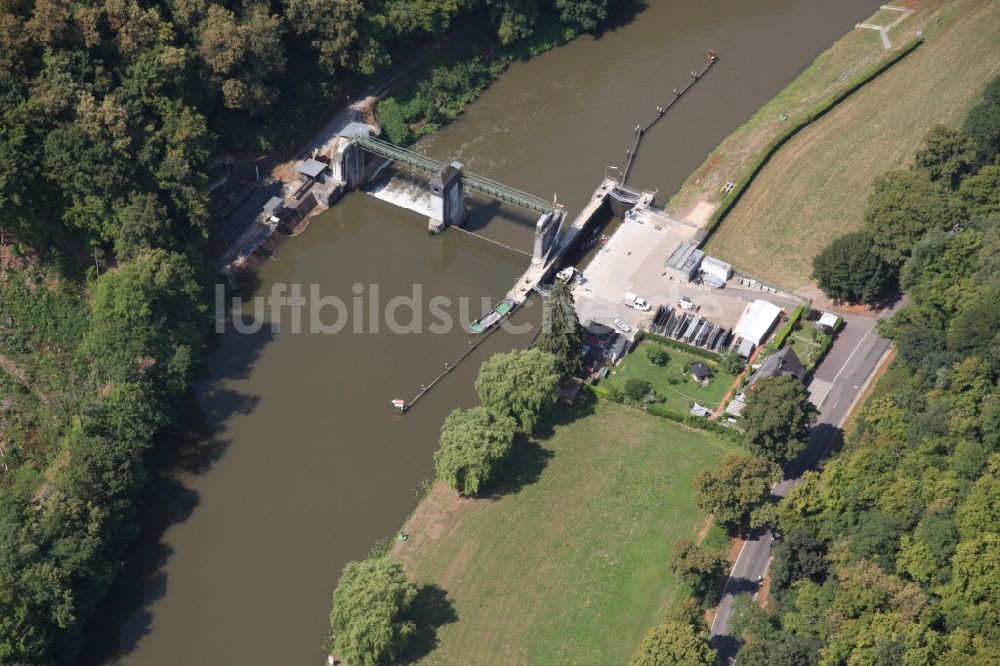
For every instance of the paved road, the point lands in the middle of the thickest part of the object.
(837, 384)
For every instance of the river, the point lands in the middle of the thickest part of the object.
(296, 463)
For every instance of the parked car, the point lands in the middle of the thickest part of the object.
(633, 301)
(625, 328)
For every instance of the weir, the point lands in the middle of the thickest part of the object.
(350, 170)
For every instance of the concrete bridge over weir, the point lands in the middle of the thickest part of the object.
(351, 168)
(447, 186)
(447, 189)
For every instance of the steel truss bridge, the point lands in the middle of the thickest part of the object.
(470, 180)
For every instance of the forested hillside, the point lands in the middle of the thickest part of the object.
(892, 553)
(111, 111)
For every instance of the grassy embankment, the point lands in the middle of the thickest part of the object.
(676, 387)
(567, 561)
(829, 76)
(815, 187)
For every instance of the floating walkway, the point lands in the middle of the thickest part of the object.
(402, 406)
(660, 111)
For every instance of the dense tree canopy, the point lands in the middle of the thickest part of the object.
(738, 485)
(903, 206)
(110, 113)
(368, 621)
(522, 384)
(777, 417)
(561, 334)
(982, 123)
(981, 193)
(947, 156)
(697, 567)
(892, 552)
(674, 643)
(848, 270)
(474, 446)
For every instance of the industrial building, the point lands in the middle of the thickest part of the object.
(715, 272)
(757, 321)
(684, 262)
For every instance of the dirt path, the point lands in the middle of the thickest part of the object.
(18, 373)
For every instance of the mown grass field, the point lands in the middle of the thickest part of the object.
(830, 74)
(676, 387)
(816, 186)
(567, 562)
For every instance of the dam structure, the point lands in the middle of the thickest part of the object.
(447, 187)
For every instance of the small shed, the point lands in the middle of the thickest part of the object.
(700, 372)
(829, 320)
(700, 410)
(736, 405)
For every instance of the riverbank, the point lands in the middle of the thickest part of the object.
(415, 100)
(300, 475)
(816, 186)
(438, 91)
(570, 546)
(703, 195)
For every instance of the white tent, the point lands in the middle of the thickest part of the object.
(757, 320)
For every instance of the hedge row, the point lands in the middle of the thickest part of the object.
(820, 354)
(597, 390)
(693, 421)
(670, 342)
(786, 330)
(690, 420)
(752, 171)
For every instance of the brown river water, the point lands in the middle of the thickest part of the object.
(297, 463)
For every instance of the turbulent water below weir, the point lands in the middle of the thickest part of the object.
(296, 463)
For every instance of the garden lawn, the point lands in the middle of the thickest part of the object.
(567, 562)
(805, 341)
(815, 188)
(678, 397)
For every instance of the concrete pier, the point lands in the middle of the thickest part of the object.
(447, 199)
(546, 232)
(347, 164)
(568, 239)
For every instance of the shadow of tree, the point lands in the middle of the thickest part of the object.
(431, 610)
(621, 15)
(727, 647)
(584, 405)
(523, 468)
(530, 456)
(124, 617)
